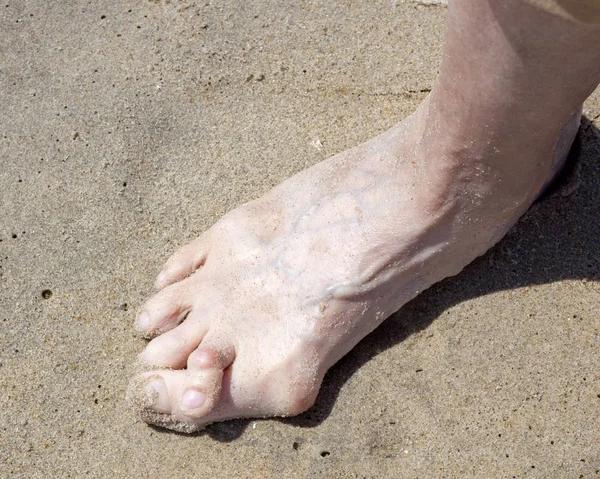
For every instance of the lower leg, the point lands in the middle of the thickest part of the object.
(511, 77)
(282, 287)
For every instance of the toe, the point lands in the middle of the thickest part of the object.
(183, 262)
(188, 400)
(172, 349)
(163, 397)
(155, 396)
(205, 369)
(165, 310)
(159, 398)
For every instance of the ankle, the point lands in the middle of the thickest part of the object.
(479, 167)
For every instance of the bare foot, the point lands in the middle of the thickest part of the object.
(251, 314)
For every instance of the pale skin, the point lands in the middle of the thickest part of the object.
(250, 316)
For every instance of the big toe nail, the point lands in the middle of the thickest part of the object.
(156, 389)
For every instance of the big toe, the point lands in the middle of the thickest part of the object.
(156, 395)
(184, 400)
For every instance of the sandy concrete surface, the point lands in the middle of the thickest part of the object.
(129, 127)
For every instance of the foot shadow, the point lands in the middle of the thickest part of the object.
(538, 250)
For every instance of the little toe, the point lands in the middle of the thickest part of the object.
(205, 369)
(183, 262)
(165, 310)
(172, 349)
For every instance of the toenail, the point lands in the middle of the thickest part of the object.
(192, 399)
(161, 277)
(144, 320)
(158, 395)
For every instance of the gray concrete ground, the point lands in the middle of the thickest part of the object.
(129, 127)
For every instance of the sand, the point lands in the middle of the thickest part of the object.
(129, 127)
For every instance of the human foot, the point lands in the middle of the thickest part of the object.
(252, 314)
